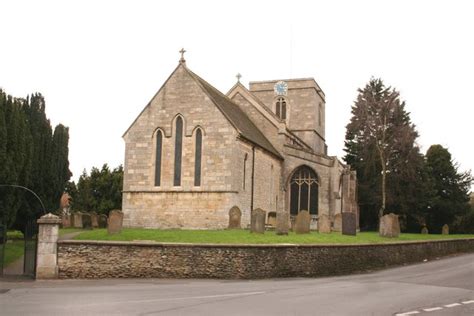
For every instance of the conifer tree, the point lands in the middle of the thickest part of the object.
(29, 157)
(380, 145)
(451, 187)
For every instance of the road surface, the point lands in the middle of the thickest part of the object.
(442, 287)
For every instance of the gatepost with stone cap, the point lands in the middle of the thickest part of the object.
(47, 254)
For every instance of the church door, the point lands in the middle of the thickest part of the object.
(304, 190)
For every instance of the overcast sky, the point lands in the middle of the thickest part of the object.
(98, 63)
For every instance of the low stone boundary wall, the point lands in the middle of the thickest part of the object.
(100, 259)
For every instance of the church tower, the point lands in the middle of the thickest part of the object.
(300, 104)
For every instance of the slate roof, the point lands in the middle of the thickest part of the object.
(246, 128)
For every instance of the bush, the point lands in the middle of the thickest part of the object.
(14, 234)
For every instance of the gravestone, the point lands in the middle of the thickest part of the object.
(302, 223)
(324, 224)
(77, 220)
(282, 223)
(235, 216)
(445, 229)
(257, 221)
(71, 220)
(65, 220)
(102, 221)
(337, 222)
(272, 216)
(94, 219)
(349, 225)
(389, 226)
(424, 230)
(115, 221)
(86, 221)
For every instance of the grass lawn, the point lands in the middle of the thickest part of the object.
(245, 237)
(13, 251)
(63, 231)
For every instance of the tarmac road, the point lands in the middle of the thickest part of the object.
(442, 287)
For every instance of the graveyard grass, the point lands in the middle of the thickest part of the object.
(64, 231)
(13, 251)
(245, 237)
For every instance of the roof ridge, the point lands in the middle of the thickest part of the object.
(236, 117)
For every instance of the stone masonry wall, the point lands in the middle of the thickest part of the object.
(98, 259)
(303, 108)
(188, 206)
(179, 96)
(267, 185)
(191, 210)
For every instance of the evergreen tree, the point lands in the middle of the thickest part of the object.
(29, 157)
(452, 187)
(60, 162)
(380, 146)
(100, 192)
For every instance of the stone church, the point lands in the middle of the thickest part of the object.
(194, 153)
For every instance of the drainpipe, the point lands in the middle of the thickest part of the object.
(253, 179)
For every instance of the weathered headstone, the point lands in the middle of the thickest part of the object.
(272, 216)
(102, 221)
(114, 223)
(324, 224)
(257, 221)
(389, 226)
(65, 220)
(235, 216)
(86, 221)
(71, 220)
(424, 230)
(337, 222)
(94, 219)
(77, 220)
(349, 224)
(302, 223)
(445, 229)
(282, 223)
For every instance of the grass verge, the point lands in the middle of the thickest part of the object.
(244, 237)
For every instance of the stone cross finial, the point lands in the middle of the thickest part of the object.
(238, 76)
(182, 51)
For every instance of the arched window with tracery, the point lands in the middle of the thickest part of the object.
(178, 151)
(304, 190)
(158, 154)
(280, 108)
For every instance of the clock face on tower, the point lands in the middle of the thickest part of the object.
(280, 88)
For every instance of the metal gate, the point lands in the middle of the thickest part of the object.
(3, 240)
(31, 238)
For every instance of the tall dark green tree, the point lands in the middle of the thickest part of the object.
(31, 157)
(380, 146)
(452, 187)
(60, 162)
